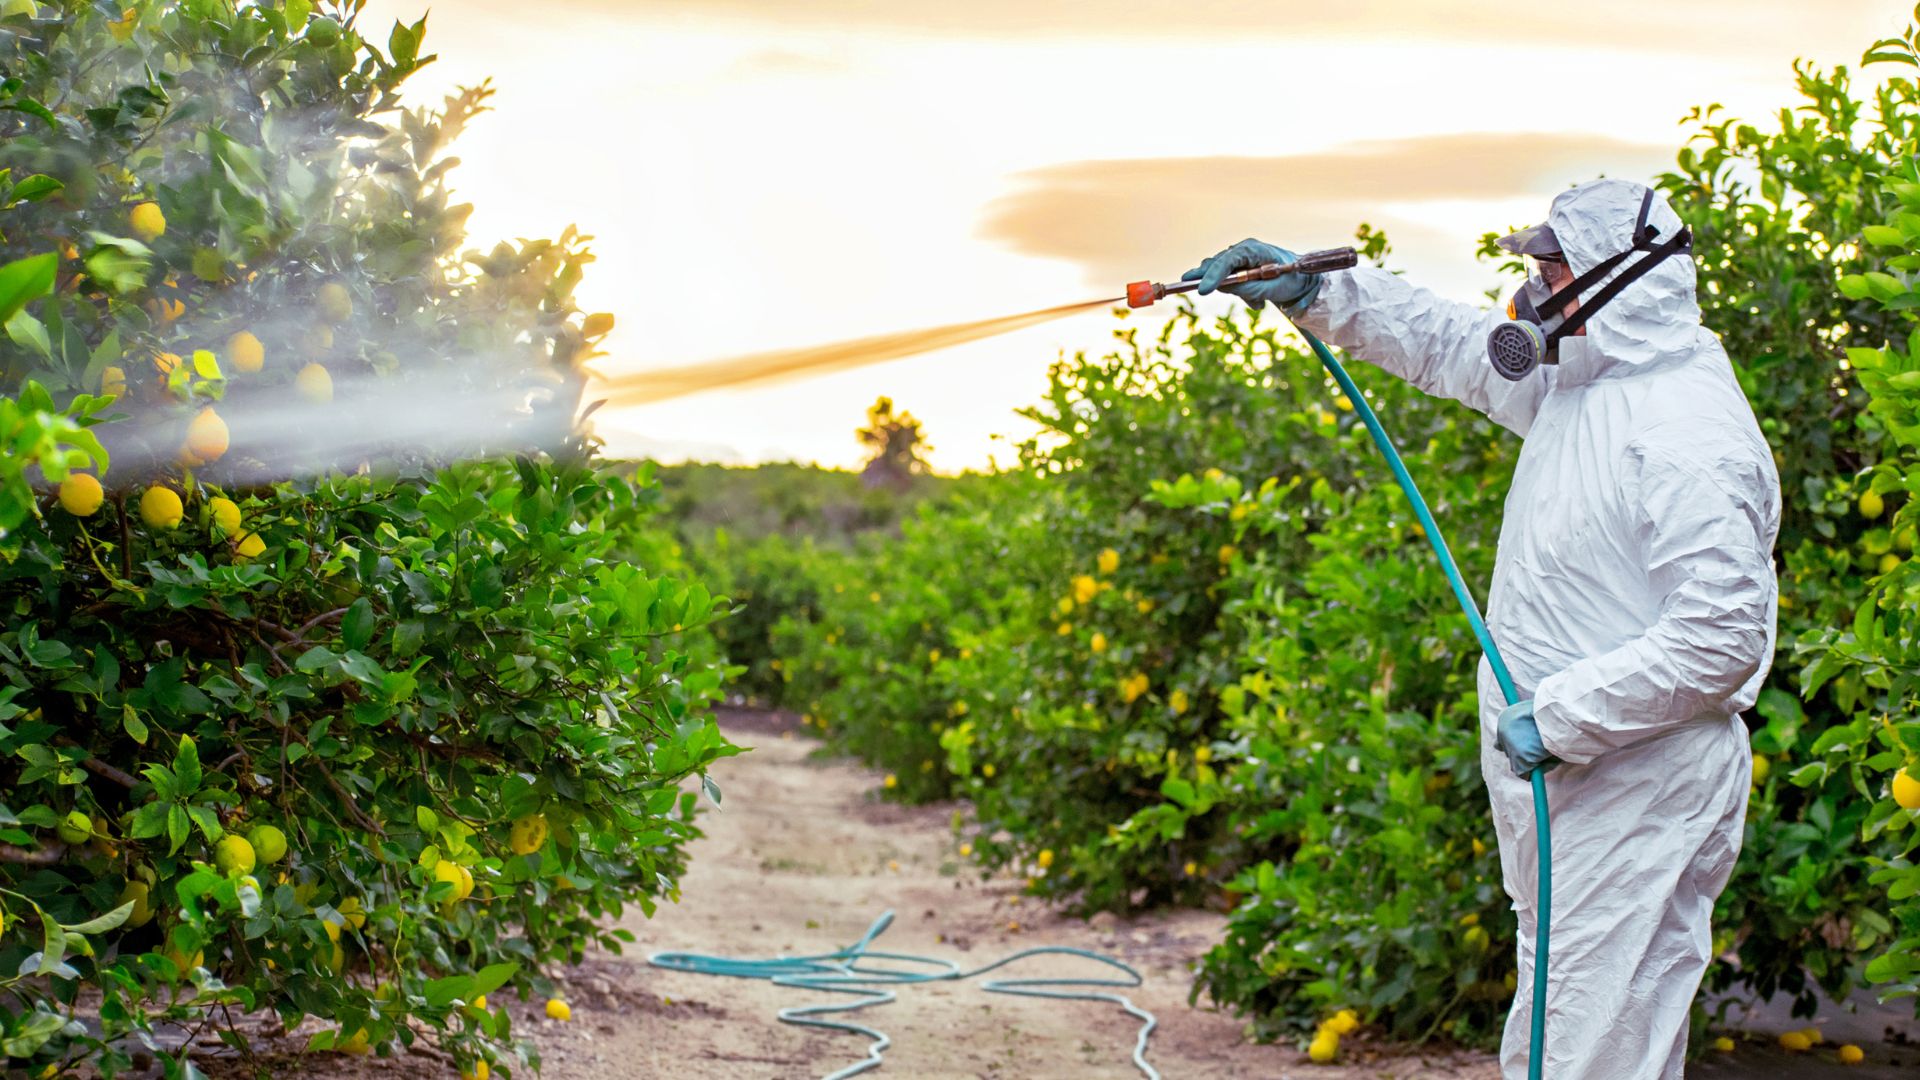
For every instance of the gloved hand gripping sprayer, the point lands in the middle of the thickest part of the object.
(1144, 293)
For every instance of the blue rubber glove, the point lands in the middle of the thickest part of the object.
(1518, 737)
(1292, 292)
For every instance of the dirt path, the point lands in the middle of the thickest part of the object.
(801, 861)
(803, 858)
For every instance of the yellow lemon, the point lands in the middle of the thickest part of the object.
(113, 380)
(1109, 561)
(140, 895)
(987, 770)
(226, 514)
(1723, 1044)
(559, 1010)
(1046, 858)
(335, 302)
(890, 782)
(528, 835)
(269, 844)
(1813, 1035)
(1871, 504)
(1476, 938)
(147, 221)
(249, 547)
(314, 384)
(80, 494)
(1906, 789)
(355, 1043)
(478, 1072)
(246, 353)
(448, 871)
(1761, 767)
(1099, 643)
(233, 855)
(1851, 1055)
(1227, 552)
(160, 507)
(1795, 1041)
(1192, 869)
(350, 910)
(1324, 1047)
(1177, 701)
(597, 324)
(1888, 562)
(1343, 1022)
(207, 436)
(1085, 588)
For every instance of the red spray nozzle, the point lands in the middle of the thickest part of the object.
(1144, 293)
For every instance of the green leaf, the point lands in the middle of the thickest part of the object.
(357, 626)
(316, 658)
(102, 923)
(186, 767)
(37, 187)
(1883, 236)
(25, 280)
(493, 977)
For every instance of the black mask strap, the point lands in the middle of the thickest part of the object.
(1644, 235)
(1680, 243)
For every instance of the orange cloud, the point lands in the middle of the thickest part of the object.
(1124, 219)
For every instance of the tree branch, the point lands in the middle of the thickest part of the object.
(44, 856)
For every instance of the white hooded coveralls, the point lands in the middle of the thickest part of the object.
(1633, 599)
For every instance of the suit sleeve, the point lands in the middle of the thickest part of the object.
(1703, 524)
(1440, 346)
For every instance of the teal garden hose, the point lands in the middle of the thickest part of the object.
(1538, 1035)
(854, 971)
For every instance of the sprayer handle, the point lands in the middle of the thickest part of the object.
(1320, 262)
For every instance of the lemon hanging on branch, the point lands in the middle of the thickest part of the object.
(81, 495)
(147, 222)
(207, 436)
(528, 835)
(246, 352)
(314, 384)
(233, 855)
(160, 507)
(269, 844)
(335, 302)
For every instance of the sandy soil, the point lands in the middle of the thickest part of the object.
(803, 858)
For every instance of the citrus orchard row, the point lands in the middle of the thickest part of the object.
(354, 739)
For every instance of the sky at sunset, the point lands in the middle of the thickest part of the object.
(766, 174)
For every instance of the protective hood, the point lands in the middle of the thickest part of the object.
(1652, 322)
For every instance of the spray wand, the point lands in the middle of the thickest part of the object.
(1143, 293)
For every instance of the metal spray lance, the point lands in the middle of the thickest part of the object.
(1143, 293)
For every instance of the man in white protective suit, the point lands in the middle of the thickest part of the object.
(1633, 597)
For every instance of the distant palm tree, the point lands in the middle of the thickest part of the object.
(897, 443)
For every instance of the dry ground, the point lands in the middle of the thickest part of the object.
(803, 858)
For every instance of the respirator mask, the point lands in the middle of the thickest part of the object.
(1536, 317)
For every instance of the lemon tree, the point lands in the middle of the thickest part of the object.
(273, 731)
